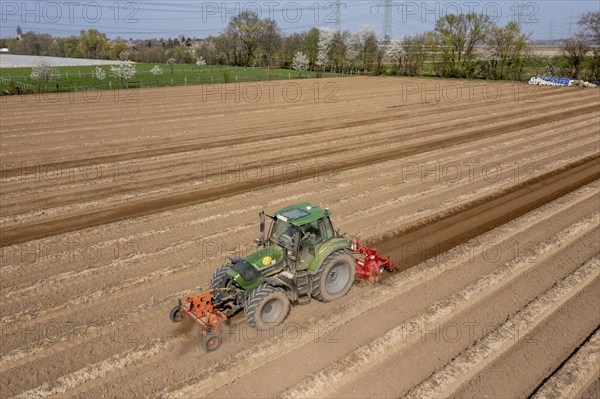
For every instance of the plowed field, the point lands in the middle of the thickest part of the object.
(114, 205)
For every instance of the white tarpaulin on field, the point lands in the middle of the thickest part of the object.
(552, 81)
(19, 61)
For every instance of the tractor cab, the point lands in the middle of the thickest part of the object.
(301, 230)
(297, 235)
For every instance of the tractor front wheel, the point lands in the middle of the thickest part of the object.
(334, 278)
(220, 277)
(266, 307)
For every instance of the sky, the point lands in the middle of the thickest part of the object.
(143, 19)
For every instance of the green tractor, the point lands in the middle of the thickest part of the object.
(302, 257)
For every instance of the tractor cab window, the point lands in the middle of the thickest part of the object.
(283, 233)
(307, 230)
(326, 228)
(279, 227)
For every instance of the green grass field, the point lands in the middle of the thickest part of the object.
(73, 78)
(82, 77)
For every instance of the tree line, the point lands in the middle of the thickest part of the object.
(462, 46)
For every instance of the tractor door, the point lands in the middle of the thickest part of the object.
(322, 231)
(326, 229)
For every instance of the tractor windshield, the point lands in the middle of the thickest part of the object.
(283, 233)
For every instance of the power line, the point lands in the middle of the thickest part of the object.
(570, 19)
(387, 21)
(338, 10)
(521, 14)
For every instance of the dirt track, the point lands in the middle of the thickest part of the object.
(112, 210)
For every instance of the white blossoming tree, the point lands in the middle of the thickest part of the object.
(200, 62)
(45, 73)
(353, 54)
(156, 71)
(325, 46)
(362, 47)
(394, 54)
(100, 74)
(300, 62)
(124, 71)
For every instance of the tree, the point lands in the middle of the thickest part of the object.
(93, 44)
(156, 53)
(200, 62)
(362, 47)
(394, 55)
(551, 66)
(311, 45)
(33, 44)
(228, 47)
(339, 49)
(45, 73)
(247, 28)
(416, 49)
(590, 22)
(456, 37)
(379, 69)
(156, 71)
(506, 51)
(292, 44)
(325, 47)
(124, 71)
(575, 49)
(181, 55)
(66, 47)
(206, 49)
(117, 48)
(100, 73)
(270, 41)
(300, 62)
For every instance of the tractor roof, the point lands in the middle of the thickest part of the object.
(301, 214)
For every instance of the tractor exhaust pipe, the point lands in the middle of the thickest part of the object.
(261, 227)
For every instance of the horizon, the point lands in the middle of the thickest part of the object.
(155, 19)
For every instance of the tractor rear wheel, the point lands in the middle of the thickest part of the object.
(334, 278)
(220, 277)
(266, 307)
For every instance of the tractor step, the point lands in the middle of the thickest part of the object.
(304, 300)
(303, 285)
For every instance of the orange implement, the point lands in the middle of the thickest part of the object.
(202, 310)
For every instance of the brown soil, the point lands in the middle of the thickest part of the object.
(114, 209)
